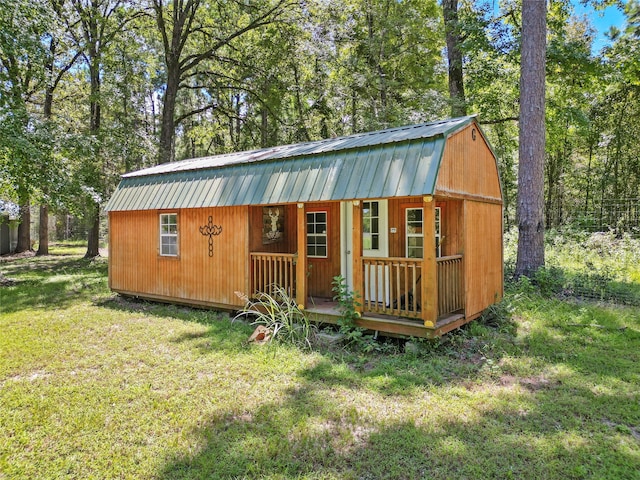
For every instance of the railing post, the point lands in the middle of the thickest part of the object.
(429, 282)
(301, 267)
(358, 281)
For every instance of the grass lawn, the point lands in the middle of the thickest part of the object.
(96, 386)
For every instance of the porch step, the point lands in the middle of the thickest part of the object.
(449, 322)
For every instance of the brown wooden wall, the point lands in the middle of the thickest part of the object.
(468, 167)
(452, 225)
(397, 217)
(483, 260)
(322, 270)
(288, 243)
(135, 266)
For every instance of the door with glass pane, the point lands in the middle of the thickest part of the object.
(375, 243)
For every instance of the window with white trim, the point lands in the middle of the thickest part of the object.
(438, 230)
(317, 234)
(371, 225)
(169, 234)
(415, 232)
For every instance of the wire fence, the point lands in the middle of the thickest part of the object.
(597, 266)
(619, 215)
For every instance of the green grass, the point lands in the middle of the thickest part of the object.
(96, 386)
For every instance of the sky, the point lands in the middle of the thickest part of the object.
(601, 21)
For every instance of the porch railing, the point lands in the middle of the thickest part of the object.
(269, 269)
(450, 284)
(391, 286)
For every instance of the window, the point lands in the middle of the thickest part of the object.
(317, 234)
(169, 234)
(438, 229)
(371, 226)
(415, 236)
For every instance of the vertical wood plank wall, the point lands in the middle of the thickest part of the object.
(135, 265)
(452, 225)
(468, 167)
(396, 212)
(322, 270)
(483, 261)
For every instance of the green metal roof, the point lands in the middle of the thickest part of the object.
(389, 163)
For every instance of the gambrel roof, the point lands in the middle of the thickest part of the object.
(397, 162)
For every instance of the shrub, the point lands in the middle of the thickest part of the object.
(281, 315)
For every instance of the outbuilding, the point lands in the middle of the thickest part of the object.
(8, 227)
(410, 217)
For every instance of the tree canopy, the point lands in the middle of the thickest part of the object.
(90, 89)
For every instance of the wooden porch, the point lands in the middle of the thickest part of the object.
(393, 289)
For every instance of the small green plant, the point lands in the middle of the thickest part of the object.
(549, 280)
(348, 303)
(281, 315)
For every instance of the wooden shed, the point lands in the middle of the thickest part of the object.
(411, 217)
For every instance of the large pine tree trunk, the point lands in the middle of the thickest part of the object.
(454, 57)
(532, 139)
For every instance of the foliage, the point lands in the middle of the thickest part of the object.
(592, 266)
(348, 303)
(257, 74)
(281, 315)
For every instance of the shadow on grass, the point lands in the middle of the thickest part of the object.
(221, 333)
(51, 282)
(548, 434)
(581, 422)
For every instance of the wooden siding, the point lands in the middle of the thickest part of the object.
(482, 256)
(468, 168)
(397, 220)
(452, 233)
(135, 266)
(452, 225)
(322, 270)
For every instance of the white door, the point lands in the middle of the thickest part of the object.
(346, 243)
(375, 229)
(375, 243)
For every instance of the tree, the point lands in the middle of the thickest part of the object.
(92, 26)
(194, 33)
(454, 58)
(530, 200)
(60, 60)
(22, 56)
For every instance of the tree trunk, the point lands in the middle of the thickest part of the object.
(43, 230)
(167, 126)
(24, 227)
(454, 57)
(264, 127)
(43, 244)
(94, 127)
(532, 139)
(93, 241)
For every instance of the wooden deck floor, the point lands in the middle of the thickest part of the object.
(327, 311)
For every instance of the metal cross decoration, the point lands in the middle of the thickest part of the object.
(210, 230)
